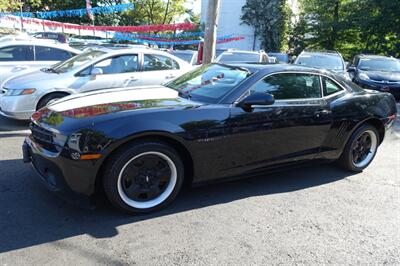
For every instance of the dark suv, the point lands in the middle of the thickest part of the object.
(377, 73)
(329, 60)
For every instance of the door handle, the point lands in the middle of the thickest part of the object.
(132, 78)
(322, 112)
(171, 76)
(129, 80)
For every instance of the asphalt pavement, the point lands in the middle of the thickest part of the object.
(313, 215)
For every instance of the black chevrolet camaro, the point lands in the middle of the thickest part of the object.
(139, 145)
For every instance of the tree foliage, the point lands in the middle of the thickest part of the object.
(145, 11)
(154, 12)
(349, 26)
(270, 19)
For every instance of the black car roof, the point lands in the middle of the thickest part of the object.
(327, 52)
(277, 67)
(375, 56)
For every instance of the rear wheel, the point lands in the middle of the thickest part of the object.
(48, 99)
(143, 177)
(361, 148)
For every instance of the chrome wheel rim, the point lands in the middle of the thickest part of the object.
(147, 180)
(364, 148)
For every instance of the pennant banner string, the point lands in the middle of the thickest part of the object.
(72, 12)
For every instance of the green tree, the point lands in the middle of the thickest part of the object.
(15, 5)
(153, 12)
(351, 27)
(270, 19)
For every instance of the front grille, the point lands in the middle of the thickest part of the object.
(43, 137)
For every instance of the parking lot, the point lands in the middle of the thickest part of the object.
(314, 215)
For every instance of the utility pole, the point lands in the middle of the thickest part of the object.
(210, 36)
(22, 17)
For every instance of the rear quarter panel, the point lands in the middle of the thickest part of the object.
(349, 112)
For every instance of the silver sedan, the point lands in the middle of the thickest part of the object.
(92, 70)
(22, 56)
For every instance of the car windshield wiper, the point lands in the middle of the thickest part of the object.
(185, 95)
(51, 70)
(235, 68)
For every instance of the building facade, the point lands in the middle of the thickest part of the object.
(230, 23)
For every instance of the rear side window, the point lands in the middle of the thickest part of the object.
(290, 86)
(17, 53)
(329, 86)
(153, 62)
(44, 53)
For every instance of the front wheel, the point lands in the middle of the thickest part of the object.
(49, 99)
(144, 177)
(361, 149)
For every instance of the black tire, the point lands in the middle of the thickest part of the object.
(46, 99)
(347, 161)
(114, 176)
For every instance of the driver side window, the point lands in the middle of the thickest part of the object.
(118, 64)
(290, 86)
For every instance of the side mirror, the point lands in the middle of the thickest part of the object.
(351, 69)
(96, 71)
(256, 98)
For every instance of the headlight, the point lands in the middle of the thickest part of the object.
(363, 76)
(16, 92)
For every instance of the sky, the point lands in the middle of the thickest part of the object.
(195, 4)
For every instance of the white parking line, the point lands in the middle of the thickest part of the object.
(16, 132)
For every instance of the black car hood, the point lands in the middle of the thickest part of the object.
(89, 108)
(382, 75)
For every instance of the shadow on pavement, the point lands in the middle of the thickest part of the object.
(30, 215)
(7, 124)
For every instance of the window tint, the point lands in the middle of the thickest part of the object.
(154, 62)
(239, 57)
(208, 83)
(329, 86)
(379, 64)
(17, 53)
(118, 64)
(44, 53)
(324, 61)
(290, 86)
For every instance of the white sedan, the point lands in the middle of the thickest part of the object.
(92, 70)
(18, 56)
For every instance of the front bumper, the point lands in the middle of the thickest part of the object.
(65, 177)
(393, 88)
(17, 107)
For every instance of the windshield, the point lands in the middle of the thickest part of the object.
(184, 56)
(239, 57)
(381, 64)
(331, 62)
(208, 83)
(76, 61)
